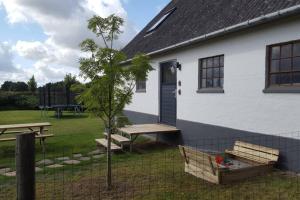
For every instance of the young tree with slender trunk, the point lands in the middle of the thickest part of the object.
(111, 83)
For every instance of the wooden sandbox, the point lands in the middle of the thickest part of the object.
(245, 160)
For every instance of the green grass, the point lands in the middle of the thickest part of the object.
(72, 133)
(152, 171)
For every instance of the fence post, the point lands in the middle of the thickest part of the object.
(25, 166)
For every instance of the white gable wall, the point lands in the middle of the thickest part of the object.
(243, 106)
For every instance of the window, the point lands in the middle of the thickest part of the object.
(283, 67)
(211, 74)
(141, 86)
(161, 20)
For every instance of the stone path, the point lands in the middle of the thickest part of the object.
(72, 162)
(44, 162)
(59, 162)
(55, 166)
(85, 158)
(62, 158)
(78, 155)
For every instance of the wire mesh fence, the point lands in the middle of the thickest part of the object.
(155, 170)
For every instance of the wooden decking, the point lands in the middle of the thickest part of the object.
(140, 129)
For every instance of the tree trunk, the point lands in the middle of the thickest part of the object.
(109, 156)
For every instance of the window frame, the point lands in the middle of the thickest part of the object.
(212, 89)
(277, 88)
(140, 90)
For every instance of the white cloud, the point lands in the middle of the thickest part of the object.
(65, 25)
(6, 58)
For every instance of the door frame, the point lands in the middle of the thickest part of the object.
(160, 90)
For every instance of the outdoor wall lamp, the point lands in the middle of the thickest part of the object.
(178, 66)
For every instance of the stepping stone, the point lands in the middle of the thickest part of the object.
(85, 158)
(72, 162)
(37, 169)
(4, 170)
(45, 162)
(63, 158)
(55, 166)
(10, 174)
(78, 155)
(98, 156)
(95, 152)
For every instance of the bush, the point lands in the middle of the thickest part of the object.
(18, 100)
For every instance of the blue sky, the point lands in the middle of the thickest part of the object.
(41, 37)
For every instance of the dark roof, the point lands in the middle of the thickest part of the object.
(193, 18)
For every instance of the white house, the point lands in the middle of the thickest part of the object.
(223, 69)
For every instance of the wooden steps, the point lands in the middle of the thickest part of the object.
(118, 138)
(103, 142)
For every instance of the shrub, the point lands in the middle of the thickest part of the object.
(18, 100)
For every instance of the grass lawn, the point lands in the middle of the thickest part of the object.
(152, 171)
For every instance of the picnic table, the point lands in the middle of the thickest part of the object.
(38, 128)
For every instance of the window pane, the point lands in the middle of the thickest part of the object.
(285, 79)
(296, 64)
(209, 62)
(274, 79)
(296, 49)
(169, 73)
(216, 61)
(221, 82)
(209, 73)
(285, 65)
(216, 72)
(275, 51)
(222, 72)
(204, 73)
(209, 83)
(296, 78)
(204, 63)
(286, 51)
(275, 65)
(203, 83)
(222, 61)
(216, 82)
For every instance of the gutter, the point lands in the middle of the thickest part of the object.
(247, 24)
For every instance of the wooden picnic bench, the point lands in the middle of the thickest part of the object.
(38, 128)
(246, 160)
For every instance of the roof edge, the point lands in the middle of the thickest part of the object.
(247, 24)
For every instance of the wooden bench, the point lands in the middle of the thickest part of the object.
(119, 139)
(44, 136)
(247, 160)
(103, 143)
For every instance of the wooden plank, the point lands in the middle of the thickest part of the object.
(118, 138)
(36, 137)
(29, 125)
(7, 139)
(249, 157)
(258, 147)
(256, 153)
(44, 136)
(200, 173)
(198, 159)
(227, 177)
(148, 129)
(22, 131)
(103, 142)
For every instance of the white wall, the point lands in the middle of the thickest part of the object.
(243, 106)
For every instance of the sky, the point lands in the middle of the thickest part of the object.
(41, 38)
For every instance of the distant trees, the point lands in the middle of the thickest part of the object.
(10, 86)
(32, 84)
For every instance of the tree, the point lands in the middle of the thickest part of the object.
(69, 80)
(111, 84)
(14, 86)
(32, 85)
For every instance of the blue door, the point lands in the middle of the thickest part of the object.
(168, 92)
